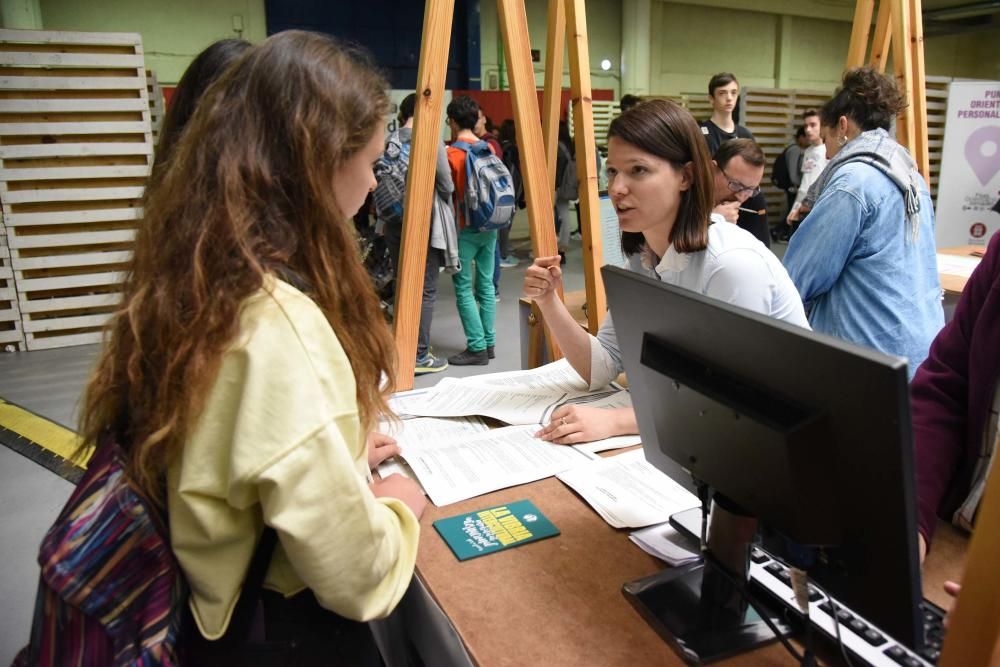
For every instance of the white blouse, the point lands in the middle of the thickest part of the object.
(735, 268)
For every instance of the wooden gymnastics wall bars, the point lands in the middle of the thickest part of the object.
(538, 156)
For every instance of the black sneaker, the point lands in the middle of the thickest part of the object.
(430, 364)
(469, 358)
(491, 352)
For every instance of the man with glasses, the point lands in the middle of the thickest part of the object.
(723, 94)
(738, 168)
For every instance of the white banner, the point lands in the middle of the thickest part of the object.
(968, 202)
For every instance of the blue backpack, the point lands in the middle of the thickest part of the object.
(390, 172)
(489, 189)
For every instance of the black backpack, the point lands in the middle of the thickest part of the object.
(779, 173)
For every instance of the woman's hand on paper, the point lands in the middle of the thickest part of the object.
(380, 448)
(403, 489)
(573, 424)
(543, 278)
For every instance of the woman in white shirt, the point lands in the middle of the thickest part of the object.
(660, 182)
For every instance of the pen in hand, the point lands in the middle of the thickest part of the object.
(760, 212)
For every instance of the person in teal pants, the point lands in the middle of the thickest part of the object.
(475, 295)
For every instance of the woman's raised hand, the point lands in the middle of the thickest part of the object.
(543, 278)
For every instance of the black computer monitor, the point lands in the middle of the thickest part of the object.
(808, 433)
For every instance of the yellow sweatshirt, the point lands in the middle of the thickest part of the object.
(280, 442)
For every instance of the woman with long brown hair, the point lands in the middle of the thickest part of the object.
(660, 181)
(249, 358)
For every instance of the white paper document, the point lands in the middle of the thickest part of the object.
(402, 402)
(455, 398)
(556, 378)
(627, 491)
(454, 454)
(616, 442)
(667, 544)
(956, 265)
(409, 433)
(495, 459)
(514, 402)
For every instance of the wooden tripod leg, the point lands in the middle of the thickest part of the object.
(883, 36)
(859, 33)
(902, 64)
(420, 186)
(537, 189)
(586, 162)
(921, 149)
(974, 623)
(552, 94)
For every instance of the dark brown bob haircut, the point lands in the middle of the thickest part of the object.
(669, 131)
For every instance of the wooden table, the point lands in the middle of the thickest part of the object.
(953, 284)
(559, 602)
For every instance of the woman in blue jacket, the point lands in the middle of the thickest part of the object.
(864, 259)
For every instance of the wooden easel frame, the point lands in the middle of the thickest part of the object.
(974, 630)
(559, 13)
(973, 635)
(538, 157)
(902, 19)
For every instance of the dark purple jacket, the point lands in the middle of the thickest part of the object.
(952, 392)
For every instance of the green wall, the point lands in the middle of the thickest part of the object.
(173, 31)
(971, 55)
(692, 41)
(787, 43)
(604, 40)
(818, 53)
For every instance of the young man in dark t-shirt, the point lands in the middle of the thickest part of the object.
(723, 92)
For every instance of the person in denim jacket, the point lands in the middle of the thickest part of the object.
(864, 259)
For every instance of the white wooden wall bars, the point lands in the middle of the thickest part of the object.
(75, 151)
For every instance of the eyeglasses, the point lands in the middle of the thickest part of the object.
(736, 187)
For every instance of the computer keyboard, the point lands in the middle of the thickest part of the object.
(867, 644)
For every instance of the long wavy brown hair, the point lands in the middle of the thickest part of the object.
(246, 192)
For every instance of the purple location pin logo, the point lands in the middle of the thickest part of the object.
(985, 166)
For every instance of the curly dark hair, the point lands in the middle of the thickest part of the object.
(464, 111)
(866, 96)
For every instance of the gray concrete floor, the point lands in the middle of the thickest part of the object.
(50, 383)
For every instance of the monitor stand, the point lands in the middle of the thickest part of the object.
(696, 613)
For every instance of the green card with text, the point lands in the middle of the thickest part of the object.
(494, 529)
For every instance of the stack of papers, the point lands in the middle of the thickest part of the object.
(454, 454)
(956, 265)
(451, 471)
(627, 491)
(664, 542)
